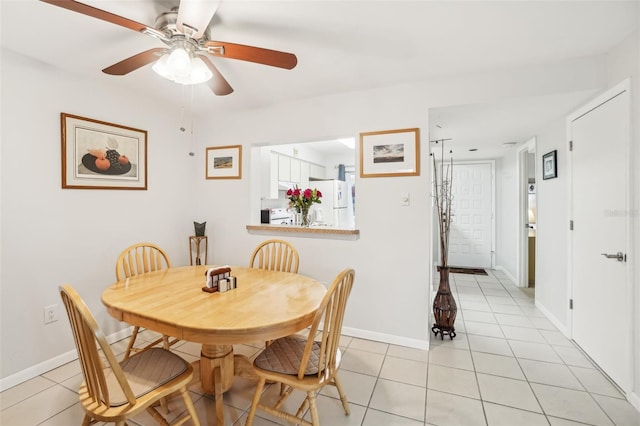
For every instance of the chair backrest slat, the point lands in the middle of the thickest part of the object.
(88, 338)
(141, 258)
(329, 316)
(275, 255)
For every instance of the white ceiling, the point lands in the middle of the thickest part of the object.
(494, 129)
(341, 45)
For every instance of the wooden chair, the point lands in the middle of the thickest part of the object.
(275, 255)
(138, 259)
(306, 364)
(122, 390)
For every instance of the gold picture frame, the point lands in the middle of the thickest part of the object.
(101, 155)
(390, 153)
(224, 162)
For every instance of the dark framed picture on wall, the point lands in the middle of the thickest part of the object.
(550, 165)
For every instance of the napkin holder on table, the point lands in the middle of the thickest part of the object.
(219, 279)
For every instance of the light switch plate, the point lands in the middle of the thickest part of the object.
(404, 199)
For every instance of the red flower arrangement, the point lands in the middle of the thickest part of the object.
(302, 200)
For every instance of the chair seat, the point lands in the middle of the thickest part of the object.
(115, 392)
(145, 372)
(285, 356)
(305, 364)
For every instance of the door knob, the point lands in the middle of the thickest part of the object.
(619, 256)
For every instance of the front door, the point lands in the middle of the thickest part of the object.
(601, 292)
(471, 236)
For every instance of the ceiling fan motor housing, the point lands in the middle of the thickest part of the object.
(166, 23)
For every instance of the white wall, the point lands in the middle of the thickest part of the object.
(507, 213)
(635, 123)
(552, 234)
(624, 62)
(51, 236)
(391, 254)
(552, 227)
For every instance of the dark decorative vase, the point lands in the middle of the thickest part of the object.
(199, 228)
(444, 307)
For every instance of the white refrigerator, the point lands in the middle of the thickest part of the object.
(333, 211)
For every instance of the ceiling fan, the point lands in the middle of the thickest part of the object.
(185, 59)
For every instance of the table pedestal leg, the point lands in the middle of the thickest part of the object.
(243, 367)
(216, 373)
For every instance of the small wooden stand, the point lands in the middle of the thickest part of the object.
(197, 240)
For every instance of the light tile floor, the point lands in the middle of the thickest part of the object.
(508, 365)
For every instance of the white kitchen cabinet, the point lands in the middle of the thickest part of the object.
(284, 168)
(273, 175)
(316, 171)
(304, 174)
(295, 170)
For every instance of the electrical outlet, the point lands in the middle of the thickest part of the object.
(50, 314)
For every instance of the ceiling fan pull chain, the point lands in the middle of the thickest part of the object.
(182, 128)
(191, 115)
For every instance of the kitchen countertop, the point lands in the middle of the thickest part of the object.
(317, 230)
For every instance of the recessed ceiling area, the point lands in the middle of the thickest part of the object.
(493, 129)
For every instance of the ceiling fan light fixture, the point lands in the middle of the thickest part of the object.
(199, 71)
(180, 61)
(162, 67)
(181, 69)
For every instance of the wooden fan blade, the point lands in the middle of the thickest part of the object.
(136, 61)
(258, 55)
(98, 13)
(218, 83)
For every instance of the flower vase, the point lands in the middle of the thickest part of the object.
(444, 307)
(305, 220)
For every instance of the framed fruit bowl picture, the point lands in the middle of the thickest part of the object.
(101, 155)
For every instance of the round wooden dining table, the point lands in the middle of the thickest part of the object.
(266, 305)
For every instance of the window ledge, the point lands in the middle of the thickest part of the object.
(318, 231)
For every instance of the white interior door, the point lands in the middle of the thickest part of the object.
(471, 234)
(601, 293)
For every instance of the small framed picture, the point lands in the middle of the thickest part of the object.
(549, 165)
(224, 162)
(390, 153)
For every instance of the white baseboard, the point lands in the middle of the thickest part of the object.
(36, 370)
(634, 399)
(507, 273)
(560, 326)
(55, 362)
(386, 338)
(50, 364)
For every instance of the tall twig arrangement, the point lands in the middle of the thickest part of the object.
(444, 304)
(442, 180)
